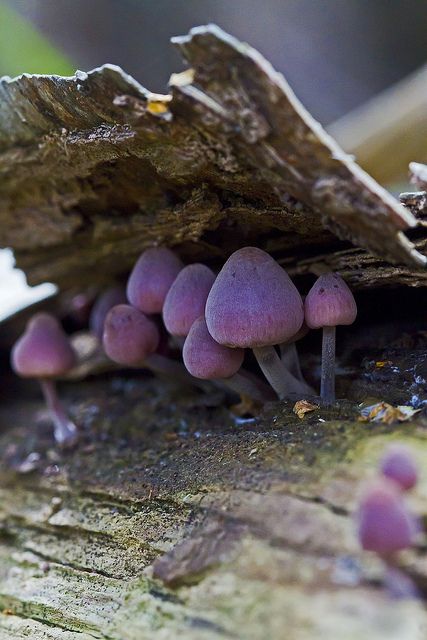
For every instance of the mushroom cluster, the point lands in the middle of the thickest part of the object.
(385, 523)
(213, 318)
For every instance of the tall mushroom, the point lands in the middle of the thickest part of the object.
(44, 352)
(329, 303)
(206, 359)
(151, 279)
(254, 304)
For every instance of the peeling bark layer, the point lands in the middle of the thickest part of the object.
(94, 168)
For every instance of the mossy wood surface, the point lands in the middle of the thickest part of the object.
(173, 518)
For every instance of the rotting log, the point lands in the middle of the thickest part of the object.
(174, 518)
(95, 167)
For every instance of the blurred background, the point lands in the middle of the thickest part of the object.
(337, 56)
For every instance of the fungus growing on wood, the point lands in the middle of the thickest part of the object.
(151, 279)
(186, 299)
(131, 339)
(254, 304)
(45, 353)
(129, 336)
(329, 303)
(385, 524)
(398, 464)
(206, 359)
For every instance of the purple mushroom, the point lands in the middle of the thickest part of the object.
(254, 304)
(206, 359)
(186, 299)
(329, 303)
(385, 524)
(131, 339)
(151, 279)
(129, 336)
(44, 352)
(398, 464)
(104, 302)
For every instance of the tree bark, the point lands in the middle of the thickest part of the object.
(182, 522)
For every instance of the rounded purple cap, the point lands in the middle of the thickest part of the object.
(398, 464)
(129, 336)
(206, 359)
(385, 524)
(151, 279)
(253, 302)
(107, 299)
(329, 303)
(186, 299)
(43, 350)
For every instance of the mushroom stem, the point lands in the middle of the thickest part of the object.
(172, 369)
(65, 431)
(282, 381)
(289, 357)
(327, 383)
(241, 384)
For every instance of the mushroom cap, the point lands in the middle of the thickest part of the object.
(186, 299)
(329, 303)
(253, 302)
(107, 299)
(151, 279)
(385, 524)
(129, 336)
(206, 359)
(43, 350)
(398, 464)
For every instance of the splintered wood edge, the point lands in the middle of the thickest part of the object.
(199, 39)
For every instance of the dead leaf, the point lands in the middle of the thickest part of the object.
(304, 406)
(387, 413)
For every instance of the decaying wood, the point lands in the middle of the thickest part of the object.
(389, 131)
(94, 168)
(174, 520)
(174, 517)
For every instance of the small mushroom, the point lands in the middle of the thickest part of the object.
(385, 524)
(329, 303)
(254, 304)
(206, 359)
(129, 336)
(398, 464)
(151, 279)
(44, 352)
(131, 339)
(186, 299)
(107, 299)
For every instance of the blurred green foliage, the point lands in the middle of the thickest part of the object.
(24, 50)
